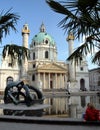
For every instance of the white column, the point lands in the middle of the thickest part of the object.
(70, 46)
(44, 80)
(25, 34)
(70, 40)
(39, 85)
(38, 76)
(61, 81)
(55, 80)
(49, 79)
(25, 39)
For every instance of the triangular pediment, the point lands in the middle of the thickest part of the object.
(52, 67)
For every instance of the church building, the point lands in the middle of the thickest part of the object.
(43, 70)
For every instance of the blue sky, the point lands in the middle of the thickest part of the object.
(34, 12)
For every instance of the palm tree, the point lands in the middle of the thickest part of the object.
(82, 17)
(15, 52)
(8, 21)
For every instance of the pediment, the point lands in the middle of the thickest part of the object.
(52, 67)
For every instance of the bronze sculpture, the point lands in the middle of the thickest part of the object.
(20, 93)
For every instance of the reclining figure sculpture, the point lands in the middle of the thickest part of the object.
(20, 93)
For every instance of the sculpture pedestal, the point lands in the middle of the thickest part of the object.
(16, 110)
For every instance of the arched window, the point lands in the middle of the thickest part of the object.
(33, 77)
(82, 85)
(34, 43)
(9, 80)
(33, 65)
(46, 41)
(33, 55)
(9, 64)
(25, 28)
(46, 54)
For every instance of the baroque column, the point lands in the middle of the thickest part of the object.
(73, 87)
(24, 69)
(70, 40)
(72, 68)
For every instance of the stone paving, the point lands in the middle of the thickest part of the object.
(45, 123)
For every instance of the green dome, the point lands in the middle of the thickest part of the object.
(43, 37)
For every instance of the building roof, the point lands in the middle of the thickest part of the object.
(43, 37)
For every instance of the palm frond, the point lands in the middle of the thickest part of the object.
(96, 58)
(16, 52)
(82, 50)
(7, 21)
(78, 21)
(82, 17)
(57, 7)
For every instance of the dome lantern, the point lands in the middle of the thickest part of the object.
(42, 28)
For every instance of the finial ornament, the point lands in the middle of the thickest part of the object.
(70, 36)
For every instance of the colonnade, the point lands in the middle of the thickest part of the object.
(51, 80)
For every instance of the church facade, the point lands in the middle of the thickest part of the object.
(44, 71)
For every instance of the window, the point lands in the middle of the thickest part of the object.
(34, 43)
(82, 85)
(81, 68)
(33, 55)
(9, 64)
(46, 41)
(25, 28)
(33, 77)
(46, 54)
(33, 65)
(83, 101)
